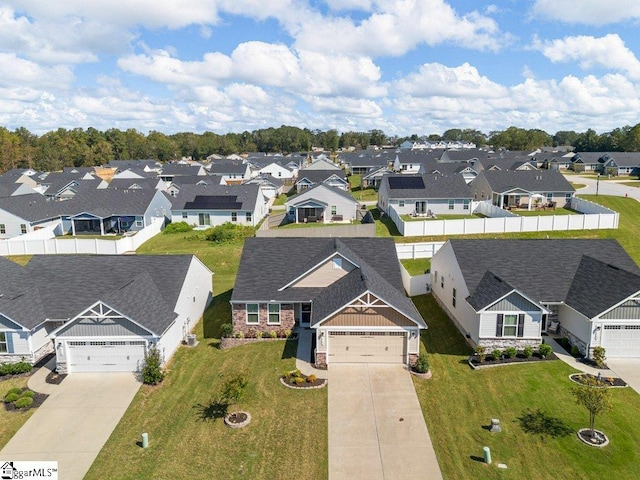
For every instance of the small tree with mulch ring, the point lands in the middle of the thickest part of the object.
(594, 398)
(233, 391)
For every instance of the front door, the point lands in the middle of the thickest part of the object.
(421, 208)
(305, 315)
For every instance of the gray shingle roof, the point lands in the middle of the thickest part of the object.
(245, 195)
(269, 264)
(320, 187)
(319, 176)
(542, 269)
(435, 186)
(529, 180)
(490, 289)
(178, 169)
(143, 287)
(228, 167)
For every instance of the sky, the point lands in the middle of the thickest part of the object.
(401, 66)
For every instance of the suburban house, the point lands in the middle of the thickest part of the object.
(91, 211)
(333, 178)
(276, 170)
(119, 307)
(322, 203)
(373, 177)
(271, 186)
(172, 170)
(424, 195)
(321, 162)
(206, 206)
(233, 172)
(148, 166)
(503, 293)
(621, 163)
(524, 189)
(348, 290)
(360, 163)
(587, 162)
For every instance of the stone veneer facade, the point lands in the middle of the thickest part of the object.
(321, 359)
(33, 358)
(501, 343)
(239, 318)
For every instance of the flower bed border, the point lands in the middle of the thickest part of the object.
(605, 384)
(237, 425)
(231, 342)
(508, 361)
(606, 439)
(323, 383)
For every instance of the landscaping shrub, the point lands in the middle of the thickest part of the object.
(286, 375)
(251, 333)
(16, 390)
(481, 353)
(27, 393)
(273, 334)
(23, 402)
(527, 352)
(496, 354)
(544, 350)
(229, 232)
(575, 351)
(152, 371)
(258, 334)
(178, 227)
(564, 341)
(296, 374)
(15, 368)
(511, 352)
(299, 380)
(422, 365)
(311, 378)
(227, 330)
(287, 333)
(599, 356)
(11, 397)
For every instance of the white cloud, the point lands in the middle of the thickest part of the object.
(18, 71)
(344, 5)
(589, 52)
(435, 79)
(397, 26)
(588, 12)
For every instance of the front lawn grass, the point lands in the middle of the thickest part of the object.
(416, 266)
(458, 401)
(13, 420)
(286, 439)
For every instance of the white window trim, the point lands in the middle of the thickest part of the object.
(505, 326)
(234, 216)
(452, 204)
(4, 344)
(269, 313)
(252, 313)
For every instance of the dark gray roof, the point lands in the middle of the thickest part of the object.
(490, 289)
(367, 159)
(625, 159)
(137, 164)
(227, 167)
(133, 183)
(266, 179)
(193, 179)
(529, 180)
(319, 176)
(320, 187)
(102, 203)
(435, 186)
(613, 285)
(177, 169)
(142, 287)
(269, 264)
(589, 157)
(542, 269)
(228, 197)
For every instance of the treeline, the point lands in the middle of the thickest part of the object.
(78, 147)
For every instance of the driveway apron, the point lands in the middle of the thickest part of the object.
(376, 426)
(628, 369)
(74, 423)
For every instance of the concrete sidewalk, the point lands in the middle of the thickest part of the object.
(376, 427)
(74, 423)
(627, 369)
(303, 354)
(562, 354)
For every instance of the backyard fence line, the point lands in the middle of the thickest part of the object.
(44, 246)
(416, 285)
(357, 230)
(417, 250)
(594, 217)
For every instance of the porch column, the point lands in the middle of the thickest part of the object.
(530, 198)
(73, 227)
(101, 226)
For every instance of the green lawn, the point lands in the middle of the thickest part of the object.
(281, 199)
(385, 226)
(540, 213)
(631, 184)
(363, 195)
(458, 401)
(416, 266)
(577, 185)
(11, 421)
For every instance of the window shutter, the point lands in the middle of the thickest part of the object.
(499, 325)
(521, 325)
(9, 337)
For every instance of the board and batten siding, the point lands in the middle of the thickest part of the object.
(368, 317)
(325, 275)
(106, 327)
(532, 324)
(629, 310)
(513, 303)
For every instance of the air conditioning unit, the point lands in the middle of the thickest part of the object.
(191, 340)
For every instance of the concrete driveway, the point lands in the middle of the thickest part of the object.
(74, 423)
(627, 369)
(376, 426)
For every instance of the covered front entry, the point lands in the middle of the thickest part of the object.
(621, 341)
(367, 347)
(105, 356)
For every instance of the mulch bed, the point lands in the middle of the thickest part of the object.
(317, 383)
(55, 378)
(520, 358)
(237, 417)
(38, 399)
(615, 382)
(43, 361)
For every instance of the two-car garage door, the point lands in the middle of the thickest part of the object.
(621, 341)
(367, 347)
(98, 356)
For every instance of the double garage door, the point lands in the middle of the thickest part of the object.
(95, 356)
(621, 341)
(367, 347)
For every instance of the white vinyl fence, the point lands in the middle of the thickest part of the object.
(417, 250)
(416, 285)
(593, 217)
(28, 245)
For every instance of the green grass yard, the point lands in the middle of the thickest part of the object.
(11, 421)
(458, 401)
(416, 266)
(360, 194)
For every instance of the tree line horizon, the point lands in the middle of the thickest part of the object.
(79, 147)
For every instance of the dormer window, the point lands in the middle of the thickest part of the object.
(337, 263)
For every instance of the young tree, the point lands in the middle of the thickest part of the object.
(234, 388)
(593, 397)
(152, 371)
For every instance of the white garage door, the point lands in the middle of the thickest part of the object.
(95, 356)
(367, 347)
(621, 341)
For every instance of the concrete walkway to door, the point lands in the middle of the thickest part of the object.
(74, 423)
(376, 427)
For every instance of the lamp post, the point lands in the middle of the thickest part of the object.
(597, 184)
